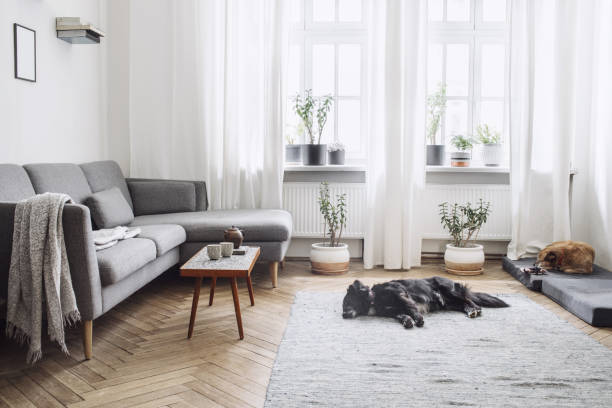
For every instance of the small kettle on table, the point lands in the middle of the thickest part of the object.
(234, 235)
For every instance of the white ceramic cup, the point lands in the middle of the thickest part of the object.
(214, 251)
(227, 248)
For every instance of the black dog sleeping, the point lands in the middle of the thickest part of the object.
(409, 299)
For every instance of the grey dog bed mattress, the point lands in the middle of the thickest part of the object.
(587, 296)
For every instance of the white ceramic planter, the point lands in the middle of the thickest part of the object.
(464, 261)
(492, 154)
(326, 260)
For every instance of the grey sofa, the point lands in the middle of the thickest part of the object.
(173, 217)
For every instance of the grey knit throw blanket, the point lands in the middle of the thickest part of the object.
(39, 276)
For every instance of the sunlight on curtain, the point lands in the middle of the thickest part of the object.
(207, 97)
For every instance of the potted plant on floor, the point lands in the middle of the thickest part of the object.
(331, 257)
(492, 151)
(462, 156)
(293, 151)
(436, 106)
(463, 222)
(310, 108)
(336, 153)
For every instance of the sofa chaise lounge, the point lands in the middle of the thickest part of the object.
(173, 216)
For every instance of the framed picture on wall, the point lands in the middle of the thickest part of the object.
(25, 52)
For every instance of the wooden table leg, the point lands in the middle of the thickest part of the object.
(213, 284)
(237, 307)
(250, 286)
(194, 305)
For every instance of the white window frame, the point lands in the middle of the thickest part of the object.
(307, 33)
(474, 33)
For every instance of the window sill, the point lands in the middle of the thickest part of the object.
(471, 169)
(327, 167)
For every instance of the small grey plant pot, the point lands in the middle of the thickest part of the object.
(314, 154)
(336, 157)
(436, 155)
(293, 153)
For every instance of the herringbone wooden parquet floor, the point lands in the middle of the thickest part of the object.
(142, 357)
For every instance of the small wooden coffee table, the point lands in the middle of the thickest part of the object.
(236, 266)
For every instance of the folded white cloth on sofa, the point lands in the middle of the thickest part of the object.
(39, 276)
(106, 238)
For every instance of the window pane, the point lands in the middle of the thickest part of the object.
(492, 75)
(323, 69)
(323, 10)
(436, 10)
(328, 130)
(434, 67)
(349, 10)
(492, 113)
(458, 10)
(349, 70)
(456, 119)
(349, 124)
(457, 69)
(296, 7)
(493, 10)
(295, 62)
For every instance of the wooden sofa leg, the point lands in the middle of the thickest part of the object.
(87, 338)
(273, 267)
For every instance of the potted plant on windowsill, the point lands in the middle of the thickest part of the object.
(293, 151)
(463, 222)
(463, 155)
(492, 151)
(310, 108)
(436, 106)
(331, 257)
(336, 153)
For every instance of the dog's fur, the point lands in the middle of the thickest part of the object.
(408, 300)
(567, 257)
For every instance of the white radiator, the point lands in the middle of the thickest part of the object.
(498, 226)
(301, 200)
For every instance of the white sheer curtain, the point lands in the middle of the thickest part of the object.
(398, 52)
(560, 110)
(542, 121)
(206, 96)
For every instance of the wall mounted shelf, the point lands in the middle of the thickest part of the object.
(74, 31)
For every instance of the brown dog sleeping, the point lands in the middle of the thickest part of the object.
(567, 256)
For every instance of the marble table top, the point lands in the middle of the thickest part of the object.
(201, 261)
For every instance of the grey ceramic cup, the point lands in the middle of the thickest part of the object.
(214, 251)
(227, 248)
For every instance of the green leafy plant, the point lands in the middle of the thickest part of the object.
(487, 135)
(334, 214)
(309, 108)
(463, 143)
(436, 106)
(463, 222)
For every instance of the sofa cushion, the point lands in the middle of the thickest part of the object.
(124, 258)
(109, 209)
(59, 178)
(156, 197)
(15, 185)
(102, 175)
(208, 226)
(165, 236)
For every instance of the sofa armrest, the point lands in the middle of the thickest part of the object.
(81, 256)
(201, 198)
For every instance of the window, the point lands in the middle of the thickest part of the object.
(468, 52)
(327, 54)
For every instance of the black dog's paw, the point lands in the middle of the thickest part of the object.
(406, 321)
(420, 322)
(479, 311)
(472, 312)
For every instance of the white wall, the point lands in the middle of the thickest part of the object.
(60, 118)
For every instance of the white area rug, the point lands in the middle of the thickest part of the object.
(521, 356)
